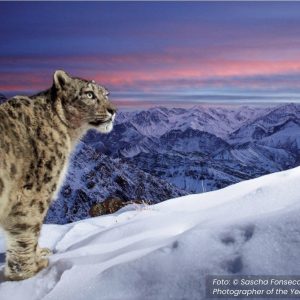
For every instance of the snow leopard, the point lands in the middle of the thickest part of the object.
(38, 134)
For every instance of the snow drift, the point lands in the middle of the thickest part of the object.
(166, 250)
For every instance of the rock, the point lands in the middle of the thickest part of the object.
(108, 206)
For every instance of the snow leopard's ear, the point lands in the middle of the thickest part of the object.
(60, 79)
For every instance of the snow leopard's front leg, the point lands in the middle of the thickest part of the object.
(22, 260)
(22, 227)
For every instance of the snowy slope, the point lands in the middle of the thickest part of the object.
(165, 251)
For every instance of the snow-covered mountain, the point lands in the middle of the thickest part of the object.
(218, 120)
(93, 177)
(282, 120)
(207, 147)
(165, 251)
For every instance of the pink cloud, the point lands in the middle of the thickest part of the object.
(143, 72)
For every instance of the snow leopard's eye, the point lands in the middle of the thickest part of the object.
(90, 95)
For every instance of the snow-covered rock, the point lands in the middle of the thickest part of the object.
(165, 251)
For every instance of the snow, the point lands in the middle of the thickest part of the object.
(165, 251)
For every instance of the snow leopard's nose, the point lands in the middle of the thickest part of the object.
(112, 110)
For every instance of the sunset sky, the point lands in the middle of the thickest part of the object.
(155, 53)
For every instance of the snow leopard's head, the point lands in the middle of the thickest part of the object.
(84, 102)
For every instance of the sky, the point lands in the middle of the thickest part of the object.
(155, 53)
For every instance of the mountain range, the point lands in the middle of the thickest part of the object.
(162, 153)
(206, 147)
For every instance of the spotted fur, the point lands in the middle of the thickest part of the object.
(38, 134)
